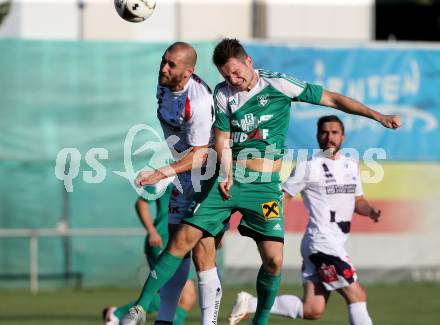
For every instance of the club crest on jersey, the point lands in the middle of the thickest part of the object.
(263, 100)
(270, 210)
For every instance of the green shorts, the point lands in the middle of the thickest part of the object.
(259, 201)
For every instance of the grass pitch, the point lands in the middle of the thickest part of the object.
(397, 304)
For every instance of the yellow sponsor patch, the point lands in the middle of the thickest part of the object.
(270, 210)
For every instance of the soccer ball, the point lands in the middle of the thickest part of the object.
(135, 11)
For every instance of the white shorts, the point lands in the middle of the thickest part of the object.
(333, 271)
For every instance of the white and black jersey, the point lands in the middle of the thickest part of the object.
(188, 115)
(329, 189)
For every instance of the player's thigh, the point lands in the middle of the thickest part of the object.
(353, 293)
(172, 229)
(315, 299)
(271, 253)
(204, 254)
(219, 238)
(208, 211)
(184, 240)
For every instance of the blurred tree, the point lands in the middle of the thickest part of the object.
(4, 9)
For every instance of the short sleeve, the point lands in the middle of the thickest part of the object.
(295, 89)
(311, 94)
(222, 113)
(199, 125)
(297, 180)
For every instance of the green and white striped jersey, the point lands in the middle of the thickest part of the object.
(258, 119)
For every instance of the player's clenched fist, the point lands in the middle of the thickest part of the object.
(391, 121)
(148, 178)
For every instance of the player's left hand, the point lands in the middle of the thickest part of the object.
(148, 178)
(224, 188)
(375, 214)
(391, 121)
(154, 239)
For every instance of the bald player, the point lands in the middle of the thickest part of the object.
(185, 111)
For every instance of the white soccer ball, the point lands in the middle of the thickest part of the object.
(135, 11)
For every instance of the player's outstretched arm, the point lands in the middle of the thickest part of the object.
(351, 106)
(363, 208)
(195, 158)
(144, 215)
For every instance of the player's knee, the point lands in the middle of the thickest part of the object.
(356, 295)
(203, 262)
(183, 241)
(273, 264)
(312, 316)
(312, 313)
(204, 255)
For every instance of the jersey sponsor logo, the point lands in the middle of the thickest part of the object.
(264, 118)
(270, 210)
(341, 189)
(263, 100)
(249, 122)
(258, 134)
(277, 227)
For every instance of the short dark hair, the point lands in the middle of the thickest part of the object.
(228, 48)
(330, 118)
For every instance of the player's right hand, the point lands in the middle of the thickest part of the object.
(391, 121)
(224, 188)
(375, 214)
(148, 178)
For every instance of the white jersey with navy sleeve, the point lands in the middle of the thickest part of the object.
(187, 114)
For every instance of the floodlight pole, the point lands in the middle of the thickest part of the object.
(81, 8)
(178, 20)
(259, 19)
(254, 21)
(64, 226)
